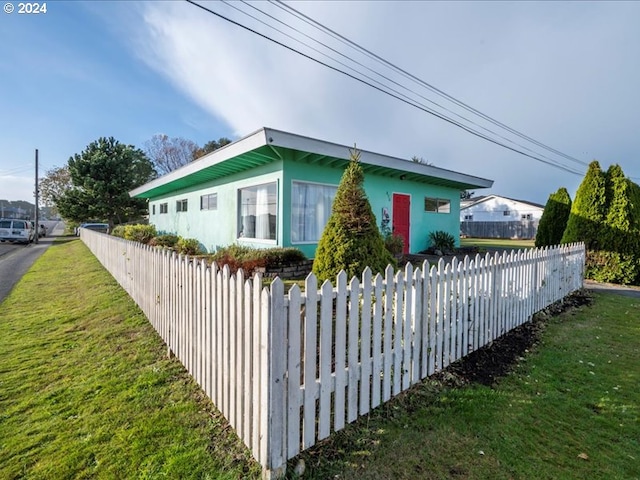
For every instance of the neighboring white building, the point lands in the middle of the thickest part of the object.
(494, 208)
(493, 216)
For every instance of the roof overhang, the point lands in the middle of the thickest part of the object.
(267, 145)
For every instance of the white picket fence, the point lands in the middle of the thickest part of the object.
(287, 370)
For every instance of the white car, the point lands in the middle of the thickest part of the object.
(13, 230)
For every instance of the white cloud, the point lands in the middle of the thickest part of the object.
(565, 74)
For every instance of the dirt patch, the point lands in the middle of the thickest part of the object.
(497, 359)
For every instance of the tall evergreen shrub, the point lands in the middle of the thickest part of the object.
(351, 240)
(588, 210)
(619, 219)
(554, 219)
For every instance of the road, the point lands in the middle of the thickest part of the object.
(16, 259)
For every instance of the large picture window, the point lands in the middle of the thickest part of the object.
(257, 211)
(310, 210)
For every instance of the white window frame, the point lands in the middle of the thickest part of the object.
(442, 205)
(209, 197)
(240, 227)
(164, 208)
(293, 222)
(182, 205)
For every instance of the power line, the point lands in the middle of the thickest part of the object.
(12, 171)
(434, 89)
(398, 97)
(371, 70)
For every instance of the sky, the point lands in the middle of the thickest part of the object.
(565, 74)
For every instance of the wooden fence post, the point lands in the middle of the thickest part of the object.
(276, 362)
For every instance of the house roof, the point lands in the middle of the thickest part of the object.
(483, 198)
(267, 145)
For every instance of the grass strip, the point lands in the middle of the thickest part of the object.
(569, 410)
(86, 390)
(503, 243)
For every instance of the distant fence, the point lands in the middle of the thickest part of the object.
(525, 229)
(286, 370)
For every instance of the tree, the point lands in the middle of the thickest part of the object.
(169, 154)
(53, 185)
(351, 240)
(588, 210)
(211, 146)
(417, 159)
(102, 176)
(466, 194)
(554, 219)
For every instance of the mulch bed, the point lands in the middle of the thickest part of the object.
(490, 363)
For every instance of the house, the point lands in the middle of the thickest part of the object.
(273, 188)
(494, 216)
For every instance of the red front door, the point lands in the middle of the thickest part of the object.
(401, 215)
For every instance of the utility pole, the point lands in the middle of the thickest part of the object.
(37, 219)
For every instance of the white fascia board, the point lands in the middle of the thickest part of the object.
(252, 141)
(306, 144)
(473, 204)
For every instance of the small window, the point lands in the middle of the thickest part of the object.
(526, 216)
(468, 217)
(181, 205)
(153, 209)
(506, 213)
(437, 205)
(164, 208)
(209, 202)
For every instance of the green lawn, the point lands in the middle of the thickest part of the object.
(492, 243)
(86, 390)
(571, 410)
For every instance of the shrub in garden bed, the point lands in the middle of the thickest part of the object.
(138, 233)
(250, 258)
(166, 240)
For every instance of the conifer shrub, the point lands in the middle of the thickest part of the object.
(613, 241)
(554, 219)
(588, 211)
(351, 240)
(613, 267)
(619, 235)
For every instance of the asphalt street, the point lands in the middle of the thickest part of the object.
(15, 259)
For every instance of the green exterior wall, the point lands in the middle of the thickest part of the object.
(215, 228)
(219, 227)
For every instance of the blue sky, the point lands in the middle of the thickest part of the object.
(566, 74)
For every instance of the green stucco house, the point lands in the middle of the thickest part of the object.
(274, 188)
